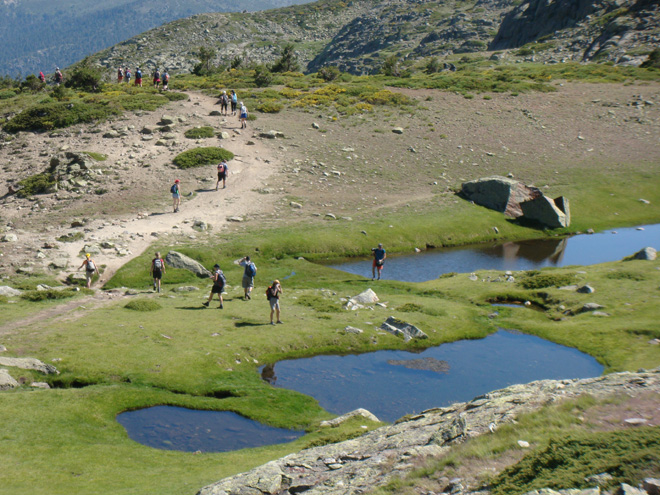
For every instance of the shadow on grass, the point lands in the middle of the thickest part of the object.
(241, 324)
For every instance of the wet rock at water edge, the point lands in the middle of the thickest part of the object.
(648, 253)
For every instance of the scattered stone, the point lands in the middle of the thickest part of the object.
(7, 382)
(29, 364)
(9, 238)
(635, 421)
(186, 288)
(235, 219)
(345, 417)
(625, 489)
(271, 134)
(293, 204)
(652, 486)
(496, 230)
(398, 130)
(179, 260)
(223, 135)
(600, 313)
(645, 201)
(523, 444)
(148, 129)
(7, 291)
(330, 216)
(473, 277)
(590, 307)
(111, 135)
(315, 125)
(648, 253)
(402, 329)
(200, 226)
(350, 329)
(586, 289)
(42, 385)
(3, 348)
(167, 120)
(366, 297)
(601, 479)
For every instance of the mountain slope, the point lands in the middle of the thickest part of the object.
(41, 34)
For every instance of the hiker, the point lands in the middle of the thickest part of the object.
(224, 102)
(157, 270)
(176, 195)
(127, 74)
(219, 282)
(223, 170)
(244, 115)
(42, 77)
(58, 77)
(156, 78)
(90, 269)
(120, 75)
(234, 102)
(138, 77)
(273, 294)
(166, 80)
(379, 260)
(248, 276)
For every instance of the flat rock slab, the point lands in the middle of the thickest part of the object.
(402, 329)
(29, 364)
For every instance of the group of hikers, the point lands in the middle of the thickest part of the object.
(231, 100)
(124, 74)
(175, 188)
(58, 77)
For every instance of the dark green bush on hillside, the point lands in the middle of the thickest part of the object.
(262, 76)
(199, 157)
(56, 115)
(35, 184)
(5, 95)
(85, 77)
(42, 295)
(199, 132)
(329, 73)
(653, 61)
(175, 96)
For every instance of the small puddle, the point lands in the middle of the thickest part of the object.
(191, 430)
(584, 249)
(392, 384)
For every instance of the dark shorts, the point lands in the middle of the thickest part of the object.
(217, 289)
(377, 264)
(222, 175)
(138, 80)
(223, 105)
(158, 274)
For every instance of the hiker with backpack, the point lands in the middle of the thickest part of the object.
(157, 270)
(127, 74)
(138, 77)
(273, 294)
(58, 77)
(156, 78)
(248, 276)
(224, 103)
(243, 116)
(223, 170)
(219, 282)
(42, 77)
(379, 259)
(176, 195)
(120, 75)
(166, 80)
(234, 102)
(90, 269)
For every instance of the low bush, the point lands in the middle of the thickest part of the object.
(35, 184)
(199, 132)
(55, 115)
(198, 157)
(99, 157)
(544, 280)
(143, 305)
(175, 96)
(43, 295)
(269, 106)
(5, 95)
(71, 237)
(653, 62)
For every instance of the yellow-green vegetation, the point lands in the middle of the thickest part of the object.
(198, 157)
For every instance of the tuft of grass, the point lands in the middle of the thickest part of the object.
(99, 157)
(35, 184)
(43, 295)
(198, 157)
(319, 303)
(71, 237)
(199, 132)
(143, 305)
(544, 280)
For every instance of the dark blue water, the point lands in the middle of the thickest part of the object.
(189, 430)
(584, 249)
(344, 383)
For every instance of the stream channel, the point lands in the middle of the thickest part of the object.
(392, 384)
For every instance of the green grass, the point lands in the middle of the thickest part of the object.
(42, 295)
(143, 305)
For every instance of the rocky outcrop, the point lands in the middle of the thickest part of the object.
(364, 298)
(547, 212)
(362, 464)
(7, 291)
(499, 194)
(29, 364)
(7, 382)
(648, 253)
(402, 329)
(180, 260)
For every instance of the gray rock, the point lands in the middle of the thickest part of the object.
(293, 204)
(111, 135)
(366, 297)
(648, 253)
(590, 307)
(3, 348)
(235, 219)
(148, 129)
(600, 479)
(625, 489)
(271, 134)
(7, 382)
(186, 288)
(179, 260)
(350, 329)
(215, 113)
(42, 385)
(547, 212)
(29, 364)
(635, 421)
(167, 120)
(600, 313)
(331, 216)
(345, 417)
(223, 135)
(7, 291)
(652, 486)
(200, 226)
(398, 130)
(9, 238)
(402, 329)
(586, 289)
(315, 125)
(499, 194)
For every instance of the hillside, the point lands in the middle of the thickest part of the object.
(358, 36)
(37, 35)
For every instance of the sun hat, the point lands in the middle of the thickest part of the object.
(177, 180)
(88, 255)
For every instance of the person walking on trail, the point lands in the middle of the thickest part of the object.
(157, 270)
(120, 75)
(224, 103)
(243, 116)
(223, 170)
(273, 294)
(166, 80)
(176, 195)
(42, 77)
(138, 77)
(234, 101)
(156, 78)
(379, 260)
(127, 74)
(90, 269)
(58, 77)
(248, 276)
(219, 282)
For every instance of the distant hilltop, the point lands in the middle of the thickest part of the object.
(359, 35)
(38, 35)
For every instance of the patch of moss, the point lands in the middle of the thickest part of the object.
(99, 157)
(35, 184)
(198, 157)
(541, 281)
(71, 237)
(199, 132)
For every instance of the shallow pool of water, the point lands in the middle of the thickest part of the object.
(381, 383)
(584, 249)
(190, 430)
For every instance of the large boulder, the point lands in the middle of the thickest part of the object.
(499, 194)
(29, 364)
(362, 299)
(179, 260)
(7, 291)
(547, 212)
(402, 329)
(7, 382)
(648, 253)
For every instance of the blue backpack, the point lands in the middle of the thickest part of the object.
(250, 270)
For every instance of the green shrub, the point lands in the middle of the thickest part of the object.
(410, 308)
(269, 106)
(71, 237)
(5, 95)
(59, 114)
(143, 305)
(36, 184)
(653, 61)
(542, 281)
(329, 73)
(42, 295)
(175, 96)
(262, 76)
(84, 77)
(199, 132)
(198, 157)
